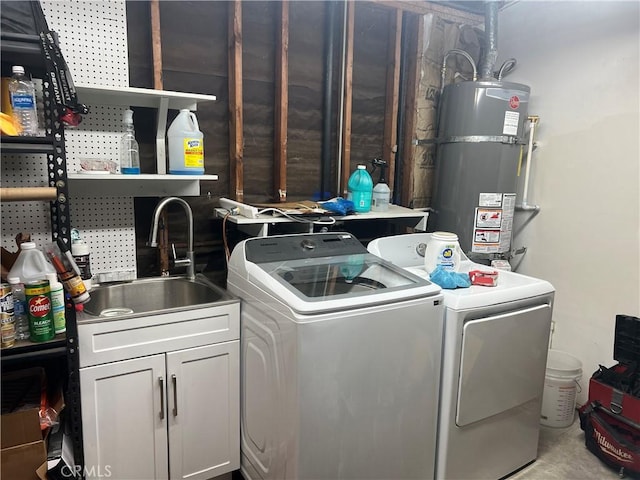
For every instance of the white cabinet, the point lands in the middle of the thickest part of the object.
(173, 411)
(204, 411)
(124, 434)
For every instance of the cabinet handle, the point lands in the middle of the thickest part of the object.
(161, 380)
(174, 379)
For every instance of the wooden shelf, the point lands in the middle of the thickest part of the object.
(143, 185)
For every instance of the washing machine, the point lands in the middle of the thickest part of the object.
(340, 361)
(493, 366)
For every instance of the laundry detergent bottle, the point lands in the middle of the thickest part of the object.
(186, 145)
(360, 189)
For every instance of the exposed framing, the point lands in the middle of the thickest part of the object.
(389, 145)
(348, 99)
(236, 139)
(158, 84)
(281, 105)
(417, 26)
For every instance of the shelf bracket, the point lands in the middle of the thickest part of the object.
(161, 155)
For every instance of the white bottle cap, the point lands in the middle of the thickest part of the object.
(53, 279)
(28, 245)
(127, 117)
(362, 167)
(17, 69)
(79, 248)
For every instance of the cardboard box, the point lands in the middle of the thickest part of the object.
(23, 448)
(21, 396)
(22, 461)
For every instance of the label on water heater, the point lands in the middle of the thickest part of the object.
(510, 126)
(493, 222)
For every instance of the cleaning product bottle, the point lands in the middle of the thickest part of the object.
(56, 292)
(82, 257)
(31, 264)
(129, 151)
(186, 145)
(360, 189)
(381, 192)
(71, 281)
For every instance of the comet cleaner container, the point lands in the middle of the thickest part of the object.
(186, 145)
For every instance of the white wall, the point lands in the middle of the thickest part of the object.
(581, 61)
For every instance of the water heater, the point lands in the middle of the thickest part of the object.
(480, 139)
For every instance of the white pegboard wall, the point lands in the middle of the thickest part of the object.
(93, 39)
(110, 236)
(97, 137)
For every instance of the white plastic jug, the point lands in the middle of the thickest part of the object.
(31, 264)
(186, 145)
(443, 249)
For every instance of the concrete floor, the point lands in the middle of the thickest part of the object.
(562, 455)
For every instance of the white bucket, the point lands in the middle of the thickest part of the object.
(560, 389)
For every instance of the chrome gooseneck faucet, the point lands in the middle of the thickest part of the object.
(189, 261)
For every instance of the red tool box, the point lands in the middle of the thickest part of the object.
(611, 417)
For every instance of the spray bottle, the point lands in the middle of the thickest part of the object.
(129, 151)
(381, 191)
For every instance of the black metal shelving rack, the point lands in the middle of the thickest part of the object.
(26, 50)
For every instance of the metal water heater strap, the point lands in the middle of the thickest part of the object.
(508, 139)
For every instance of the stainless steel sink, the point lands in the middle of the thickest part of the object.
(152, 295)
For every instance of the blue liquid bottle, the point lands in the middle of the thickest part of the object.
(360, 189)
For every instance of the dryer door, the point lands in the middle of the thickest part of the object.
(503, 362)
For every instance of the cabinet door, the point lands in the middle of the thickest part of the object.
(124, 413)
(204, 403)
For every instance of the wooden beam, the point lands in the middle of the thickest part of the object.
(348, 99)
(158, 84)
(21, 194)
(421, 7)
(282, 105)
(236, 140)
(389, 145)
(415, 64)
(156, 44)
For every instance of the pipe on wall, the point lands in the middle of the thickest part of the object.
(402, 96)
(490, 56)
(327, 101)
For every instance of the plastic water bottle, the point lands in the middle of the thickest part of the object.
(19, 308)
(129, 151)
(23, 101)
(360, 189)
(186, 145)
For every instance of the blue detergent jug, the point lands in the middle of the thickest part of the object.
(360, 189)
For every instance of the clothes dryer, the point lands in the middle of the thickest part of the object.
(340, 361)
(494, 358)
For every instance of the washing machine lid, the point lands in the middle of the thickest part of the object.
(405, 251)
(318, 273)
